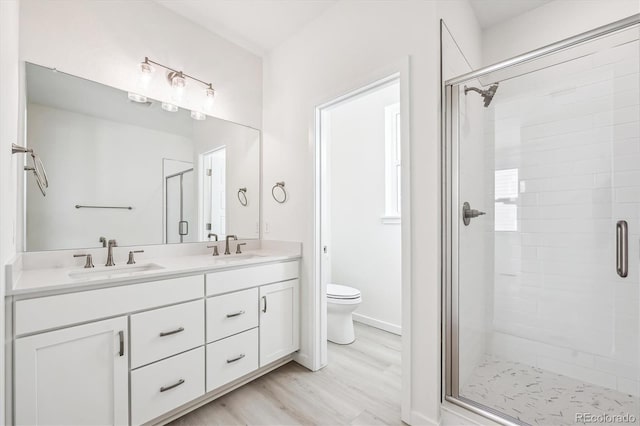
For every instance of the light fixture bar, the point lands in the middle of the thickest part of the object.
(149, 61)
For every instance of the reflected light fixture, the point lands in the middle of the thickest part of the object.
(136, 97)
(197, 115)
(169, 107)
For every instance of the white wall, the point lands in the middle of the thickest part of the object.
(85, 163)
(365, 252)
(105, 41)
(9, 83)
(549, 23)
(327, 58)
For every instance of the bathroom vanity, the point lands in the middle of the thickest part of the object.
(148, 342)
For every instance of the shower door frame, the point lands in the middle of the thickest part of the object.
(450, 211)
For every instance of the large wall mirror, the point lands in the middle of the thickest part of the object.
(132, 171)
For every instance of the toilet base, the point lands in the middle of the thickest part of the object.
(340, 328)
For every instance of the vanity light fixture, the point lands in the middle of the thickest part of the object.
(169, 107)
(197, 115)
(178, 81)
(146, 69)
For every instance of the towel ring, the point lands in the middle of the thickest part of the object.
(282, 197)
(242, 196)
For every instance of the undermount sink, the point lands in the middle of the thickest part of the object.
(114, 271)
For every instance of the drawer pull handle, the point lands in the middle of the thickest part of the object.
(169, 333)
(235, 314)
(175, 385)
(238, 358)
(264, 310)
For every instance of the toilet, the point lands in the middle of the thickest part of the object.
(341, 302)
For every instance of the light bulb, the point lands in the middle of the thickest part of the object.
(177, 85)
(135, 97)
(208, 103)
(146, 69)
(169, 107)
(197, 115)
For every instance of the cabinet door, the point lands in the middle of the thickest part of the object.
(279, 320)
(74, 376)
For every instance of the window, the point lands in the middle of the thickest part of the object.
(392, 164)
(506, 198)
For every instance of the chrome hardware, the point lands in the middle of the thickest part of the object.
(238, 358)
(211, 234)
(183, 228)
(89, 262)
(175, 385)
(121, 337)
(132, 260)
(468, 213)
(238, 251)
(264, 310)
(110, 246)
(215, 250)
(242, 196)
(235, 314)
(226, 247)
(283, 192)
(38, 168)
(103, 241)
(169, 333)
(622, 248)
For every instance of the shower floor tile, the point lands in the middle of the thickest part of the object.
(540, 397)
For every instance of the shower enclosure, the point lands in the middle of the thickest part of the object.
(541, 233)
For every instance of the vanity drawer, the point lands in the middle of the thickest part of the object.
(165, 385)
(231, 358)
(231, 313)
(49, 312)
(238, 279)
(166, 331)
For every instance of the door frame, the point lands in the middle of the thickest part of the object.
(397, 70)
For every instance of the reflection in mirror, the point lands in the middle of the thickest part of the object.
(180, 176)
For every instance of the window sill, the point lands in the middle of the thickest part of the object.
(391, 220)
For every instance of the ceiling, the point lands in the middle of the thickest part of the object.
(256, 25)
(491, 12)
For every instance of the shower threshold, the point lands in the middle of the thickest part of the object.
(541, 397)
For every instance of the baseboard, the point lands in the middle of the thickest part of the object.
(419, 419)
(382, 325)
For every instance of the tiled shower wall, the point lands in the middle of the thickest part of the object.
(572, 132)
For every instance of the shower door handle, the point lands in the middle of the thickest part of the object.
(622, 248)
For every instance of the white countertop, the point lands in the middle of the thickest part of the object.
(41, 281)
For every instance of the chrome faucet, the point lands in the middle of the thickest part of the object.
(112, 244)
(226, 247)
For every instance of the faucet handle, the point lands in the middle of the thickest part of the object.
(113, 243)
(131, 260)
(215, 250)
(89, 262)
(238, 251)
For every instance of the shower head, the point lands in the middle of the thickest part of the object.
(487, 95)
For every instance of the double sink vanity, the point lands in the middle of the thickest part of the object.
(147, 342)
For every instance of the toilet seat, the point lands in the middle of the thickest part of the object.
(342, 292)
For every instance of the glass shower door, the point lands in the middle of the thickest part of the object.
(546, 238)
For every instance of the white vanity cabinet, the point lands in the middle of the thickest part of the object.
(279, 325)
(74, 376)
(149, 351)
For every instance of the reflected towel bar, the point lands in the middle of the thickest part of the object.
(78, 206)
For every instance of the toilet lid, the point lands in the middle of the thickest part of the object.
(337, 291)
